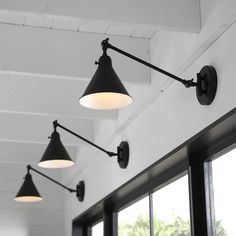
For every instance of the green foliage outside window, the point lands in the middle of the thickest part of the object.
(178, 227)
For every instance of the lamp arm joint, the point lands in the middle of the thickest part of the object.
(55, 124)
(105, 45)
(189, 83)
(29, 168)
(111, 154)
(71, 190)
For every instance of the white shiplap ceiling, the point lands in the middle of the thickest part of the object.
(76, 24)
(48, 49)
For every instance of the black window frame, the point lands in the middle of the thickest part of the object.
(193, 156)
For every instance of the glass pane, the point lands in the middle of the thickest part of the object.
(97, 230)
(134, 220)
(224, 175)
(171, 209)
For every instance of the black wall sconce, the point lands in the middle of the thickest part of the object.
(56, 156)
(29, 193)
(106, 91)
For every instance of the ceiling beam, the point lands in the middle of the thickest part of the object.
(23, 155)
(176, 14)
(43, 96)
(17, 128)
(67, 54)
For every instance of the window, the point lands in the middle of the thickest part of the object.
(208, 186)
(171, 209)
(168, 207)
(134, 220)
(97, 230)
(224, 176)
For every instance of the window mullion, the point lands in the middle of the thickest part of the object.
(198, 206)
(110, 222)
(210, 198)
(88, 231)
(151, 217)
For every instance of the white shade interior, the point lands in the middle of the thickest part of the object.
(54, 164)
(105, 100)
(28, 199)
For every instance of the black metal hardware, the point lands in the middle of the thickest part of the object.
(122, 150)
(80, 188)
(206, 84)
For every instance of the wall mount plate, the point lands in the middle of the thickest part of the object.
(206, 85)
(80, 189)
(123, 154)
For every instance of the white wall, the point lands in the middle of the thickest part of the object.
(173, 115)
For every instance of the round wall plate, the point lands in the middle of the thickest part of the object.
(206, 85)
(123, 154)
(80, 189)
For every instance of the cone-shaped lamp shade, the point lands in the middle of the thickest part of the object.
(105, 90)
(28, 191)
(55, 156)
